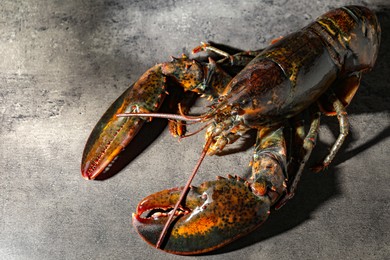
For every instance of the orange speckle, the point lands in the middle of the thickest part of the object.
(194, 227)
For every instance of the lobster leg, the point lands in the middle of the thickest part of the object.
(233, 58)
(295, 141)
(344, 129)
(339, 97)
(308, 144)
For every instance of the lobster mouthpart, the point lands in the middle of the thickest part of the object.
(212, 215)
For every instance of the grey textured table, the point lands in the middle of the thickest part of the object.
(64, 62)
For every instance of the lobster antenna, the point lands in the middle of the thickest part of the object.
(163, 115)
(183, 193)
(181, 116)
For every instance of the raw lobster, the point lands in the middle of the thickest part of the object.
(317, 68)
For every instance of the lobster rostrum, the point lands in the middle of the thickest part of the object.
(316, 69)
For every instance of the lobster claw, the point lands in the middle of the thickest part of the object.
(213, 214)
(112, 134)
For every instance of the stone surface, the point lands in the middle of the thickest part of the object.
(64, 62)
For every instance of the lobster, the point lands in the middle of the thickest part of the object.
(316, 69)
